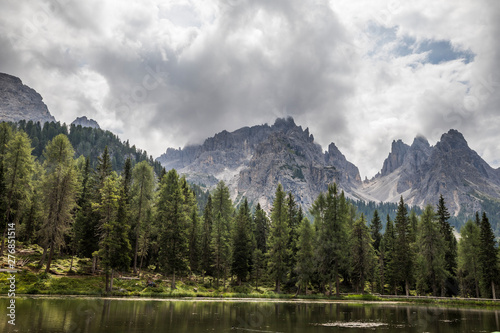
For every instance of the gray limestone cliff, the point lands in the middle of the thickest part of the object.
(85, 122)
(20, 102)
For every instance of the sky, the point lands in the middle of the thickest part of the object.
(357, 73)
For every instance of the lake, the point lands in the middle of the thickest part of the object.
(138, 315)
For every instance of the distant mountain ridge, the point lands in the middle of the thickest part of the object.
(252, 160)
(85, 122)
(20, 102)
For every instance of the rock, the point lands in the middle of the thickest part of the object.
(20, 102)
(85, 122)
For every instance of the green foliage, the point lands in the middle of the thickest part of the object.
(488, 259)
(403, 258)
(304, 266)
(363, 256)
(468, 259)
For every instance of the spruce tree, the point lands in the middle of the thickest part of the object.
(446, 231)
(388, 269)
(206, 239)
(376, 231)
(430, 260)
(488, 258)
(305, 253)
(468, 259)
(403, 258)
(242, 244)
(278, 240)
(173, 223)
(362, 253)
(261, 228)
(194, 241)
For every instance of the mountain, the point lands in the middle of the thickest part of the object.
(20, 102)
(420, 173)
(253, 160)
(85, 122)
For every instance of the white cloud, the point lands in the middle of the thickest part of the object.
(168, 73)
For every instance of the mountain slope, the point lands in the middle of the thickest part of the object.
(253, 160)
(20, 102)
(421, 173)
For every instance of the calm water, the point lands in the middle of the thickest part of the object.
(115, 315)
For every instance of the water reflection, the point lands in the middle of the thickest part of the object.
(115, 315)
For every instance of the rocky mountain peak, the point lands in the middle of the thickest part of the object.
(452, 140)
(85, 122)
(396, 157)
(20, 102)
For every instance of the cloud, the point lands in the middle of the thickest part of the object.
(359, 73)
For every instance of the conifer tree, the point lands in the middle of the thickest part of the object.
(242, 243)
(403, 258)
(430, 261)
(142, 195)
(173, 223)
(293, 225)
(446, 231)
(362, 253)
(468, 259)
(221, 231)
(278, 240)
(304, 266)
(194, 240)
(388, 269)
(376, 231)
(206, 239)
(488, 258)
(261, 228)
(18, 166)
(59, 189)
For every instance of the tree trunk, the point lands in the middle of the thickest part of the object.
(71, 264)
(337, 285)
(407, 288)
(173, 281)
(477, 288)
(493, 289)
(49, 260)
(111, 282)
(42, 260)
(137, 233)
(277, 286)
(107, 281)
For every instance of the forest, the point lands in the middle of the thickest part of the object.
(128, 215)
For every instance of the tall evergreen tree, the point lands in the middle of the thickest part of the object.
(468, 259)
(261, 228)
(388, 269)
(430, 262)
(18, 166)
(403, 252)
(278, 240)
(242, 243)
(488, 258)
(362, 253)
(206, 239)
(332, 236)
(446, 231)
(304, 264)
(142, 195)
(221, 231)
(59, 188)
(194, 241)
(173, 222)
(376, 231)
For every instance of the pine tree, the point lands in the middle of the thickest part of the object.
(362, 253)
(430, 264)
(221, 231)
(59, 188)
(388, 269)
(242, 244)
(142, 195)
(278, 240)
(375, 231)
(173, 222)
(261, 228)
(293, 225)
(304, 264)
(18, 166)
(446, 231)
(331, 215)
(206, 239)
(468, 259)
(403, 252)
(488, 258)
(194, 241)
